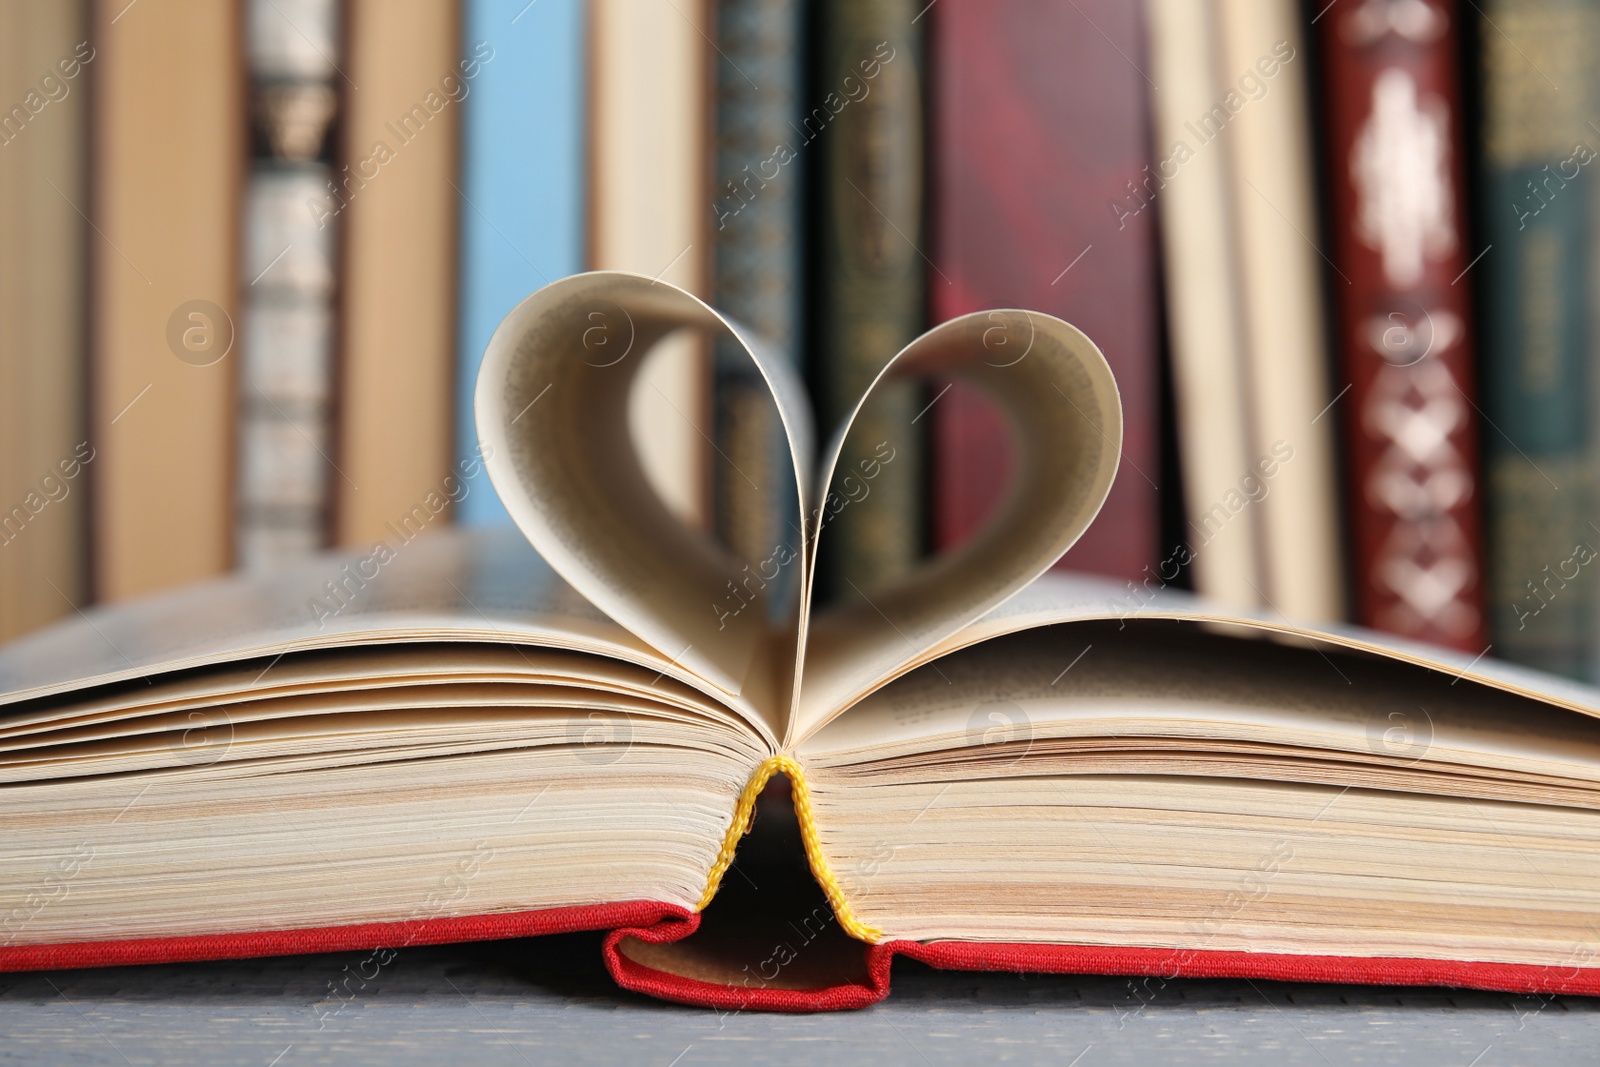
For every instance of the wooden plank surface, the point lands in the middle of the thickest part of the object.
(549, 1002)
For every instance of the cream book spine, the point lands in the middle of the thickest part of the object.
(1234, 181)
(650, 207)
(1284, 317)
(1203, 303)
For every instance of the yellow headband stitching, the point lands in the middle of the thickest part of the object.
(745, 812)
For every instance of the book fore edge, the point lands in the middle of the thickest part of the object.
(744, 815)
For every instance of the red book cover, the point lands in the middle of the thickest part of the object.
(1039, 130)
(1402, 292)
(637, 923)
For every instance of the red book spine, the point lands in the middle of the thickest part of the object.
(1402, 291)
(1039, 128)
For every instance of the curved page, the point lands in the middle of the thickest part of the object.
(1061, 598)
(1061, 401)
(551, 407)
(459, 586)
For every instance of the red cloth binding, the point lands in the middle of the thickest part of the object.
(663, 923)
(1083, 959)
(402, 934)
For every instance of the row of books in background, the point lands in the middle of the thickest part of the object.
(1377, 208)
(1401, 181)
(1338, 255)
(243, 243)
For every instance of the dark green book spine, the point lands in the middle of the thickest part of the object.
(865, 122)
(758, 265)
(1538, 183)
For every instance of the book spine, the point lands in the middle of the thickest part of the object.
(397, 209)
(1189, 185)
(649, 112)
(44, 74)
(1039, 154)
(1400, 246)
(168, 154)
(287, 300)
(1233, 183)
(864, 122)
(521, 188)
(757, 264)
(1538, 277)
(1290, 486)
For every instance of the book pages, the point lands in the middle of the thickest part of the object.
(233, 848)
(552, 411)
(1059, 598)
(1061, 400)
(1191, 863)
(1153, 690)
(461, 586)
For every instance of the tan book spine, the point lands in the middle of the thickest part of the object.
(650, 205)
(1284, 320)
(169, 152)
(397, 205)
(44, 61)
(1203, 302)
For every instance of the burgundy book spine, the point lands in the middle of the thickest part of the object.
(1402, 292)
(1039, 125)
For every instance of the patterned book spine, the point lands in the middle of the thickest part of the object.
(1538, 143)
(863, 119)
(287, 309)
(1402, 286)
(757, 265)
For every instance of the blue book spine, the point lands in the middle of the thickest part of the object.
(521, 187)
(1538, 275)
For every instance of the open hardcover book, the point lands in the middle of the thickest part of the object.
(476, 734)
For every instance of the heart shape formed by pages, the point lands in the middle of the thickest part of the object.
(551, 408)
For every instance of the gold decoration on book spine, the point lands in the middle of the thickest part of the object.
(1528, 55)
(294, 118)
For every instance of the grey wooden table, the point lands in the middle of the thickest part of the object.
(549, 1001)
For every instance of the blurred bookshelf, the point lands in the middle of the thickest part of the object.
(1338, 254)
